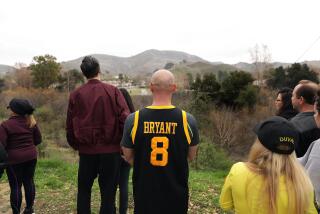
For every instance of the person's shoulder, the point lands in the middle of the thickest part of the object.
(315, 148)
(6, 122)
(239, 168)
(78, 90)
(131, 116)
(239, 165)
(11, 123)
(108, 85)
(190, 116)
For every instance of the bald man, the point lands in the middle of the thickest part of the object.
(303, 100)
(158, 140)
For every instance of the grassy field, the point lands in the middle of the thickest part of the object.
(56, 182)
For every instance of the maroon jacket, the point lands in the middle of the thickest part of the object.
(95, 118)
(19, 140)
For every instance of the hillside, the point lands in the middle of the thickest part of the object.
(201, 68)
(5, 68)
(250, 67)
(145, 62)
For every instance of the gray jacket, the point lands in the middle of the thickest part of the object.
(311, 162)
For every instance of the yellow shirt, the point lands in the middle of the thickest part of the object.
(242, 192)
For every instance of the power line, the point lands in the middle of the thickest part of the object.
(308, 49)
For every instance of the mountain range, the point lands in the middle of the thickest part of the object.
(144, 62)
(150, 60)
(6, 68)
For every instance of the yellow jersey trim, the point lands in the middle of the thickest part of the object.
(185, 126)
(161, 107)
(135, 126)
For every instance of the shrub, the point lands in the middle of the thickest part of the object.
(210, 156)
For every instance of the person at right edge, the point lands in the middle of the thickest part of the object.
(158, 140)
(311, 159)
(303, 99)
(272, 181)
(95, 120)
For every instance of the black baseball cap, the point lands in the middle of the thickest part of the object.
(21, 106)
(277, 134)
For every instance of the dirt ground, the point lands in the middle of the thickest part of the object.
(4, 199)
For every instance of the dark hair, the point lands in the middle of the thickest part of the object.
(90, 67)
(286, 94)
(286, 109)
(128, 99)
(318, 101)
(308, 93)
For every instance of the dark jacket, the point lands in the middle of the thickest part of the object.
(305, 123)
(19, 140)
(95, 118)
(288, 114)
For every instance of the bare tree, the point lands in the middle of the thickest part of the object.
(261, 59)
(224, 125)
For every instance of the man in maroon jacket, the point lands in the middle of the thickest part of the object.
(95, 119)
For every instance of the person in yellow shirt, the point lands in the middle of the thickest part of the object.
(272, 181)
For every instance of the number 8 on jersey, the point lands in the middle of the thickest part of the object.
(159, 154)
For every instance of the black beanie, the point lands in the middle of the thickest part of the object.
(21, 106)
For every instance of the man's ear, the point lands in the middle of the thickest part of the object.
(173, 87)
(151, 87)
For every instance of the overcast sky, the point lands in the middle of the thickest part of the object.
(216, 30)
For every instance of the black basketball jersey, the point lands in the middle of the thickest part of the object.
(160, 177)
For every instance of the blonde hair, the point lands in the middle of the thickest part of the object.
(271, 166)
(31, 121)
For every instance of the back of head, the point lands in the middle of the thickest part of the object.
(90, 67)
(271, 156)
(162, 81)
(307, 90)
(23, 107)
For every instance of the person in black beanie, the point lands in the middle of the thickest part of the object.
(19, 135)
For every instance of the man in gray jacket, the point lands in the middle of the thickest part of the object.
(311, 159)
(311, 162)
(303, 99)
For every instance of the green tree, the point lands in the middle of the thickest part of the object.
(190, 80)
(248, 97)
(70, 79)
(297, 72)
(222, 75)
(276, 78)
(233, 85)
(290, 76)
(210, 85)
(45, 71)
(197, 83)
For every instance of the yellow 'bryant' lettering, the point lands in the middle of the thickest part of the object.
(159, 127)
